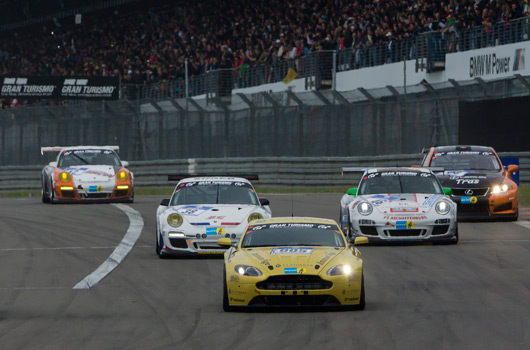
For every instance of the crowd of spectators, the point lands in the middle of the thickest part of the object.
(151, 44)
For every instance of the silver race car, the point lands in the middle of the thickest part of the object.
(204, 209)
(399, 205)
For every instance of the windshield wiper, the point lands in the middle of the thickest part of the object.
(81, 159)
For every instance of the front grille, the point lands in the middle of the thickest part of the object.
(503, 207)
(68, 194)
(121, 193)
(207, 246)
(404, 233)
(368, 230)
(478, 207)
(294, 300)
(294, 282)
(440, 230)
(476, 191)
(96, 195)
(178, 242)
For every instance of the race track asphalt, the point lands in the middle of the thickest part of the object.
(474, 295)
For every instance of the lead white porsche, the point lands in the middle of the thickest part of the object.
(399, 205)
(204, 209)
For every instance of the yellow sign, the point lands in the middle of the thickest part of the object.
(473, 200)
(291, 75)
(220, 231)
(301, 270)
(410, 224)
(99, 188)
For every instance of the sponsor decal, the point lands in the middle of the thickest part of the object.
(262, 260)
(429, 201)
(468, 200)
(379, 199)
(215, 231)
(404, 225)
(237, 300)
(294, 270)
(401, 209)
(95, 188)
(292, 250)
(234, 278)
(467, 181)
(405, 218)
(193, 210)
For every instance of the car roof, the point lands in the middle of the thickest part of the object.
(296, 220)
(407, 169)
(469, 148)
(214, 178)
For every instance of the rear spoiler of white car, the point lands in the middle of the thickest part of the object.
(179, 177)
(362, 170)
(60, 148)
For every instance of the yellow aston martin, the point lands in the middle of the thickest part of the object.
(293, 262)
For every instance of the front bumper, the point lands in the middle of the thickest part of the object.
(77, 196)
(495, 206)
(421, 231)
(345, 291)
(192, 246)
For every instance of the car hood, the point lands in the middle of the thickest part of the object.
(469, 179)
(215, 214)
(402, 203)
(293, 259)
(93, 173)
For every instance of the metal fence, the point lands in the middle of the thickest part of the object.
(315, 123)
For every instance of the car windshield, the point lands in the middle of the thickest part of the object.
(465, 160)
(88, 157)
(399, 182)
(292, 235)
(214, 192)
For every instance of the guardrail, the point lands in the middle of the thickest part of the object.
(273, 171)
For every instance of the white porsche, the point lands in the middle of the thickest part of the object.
(204, 209)
(398, 205)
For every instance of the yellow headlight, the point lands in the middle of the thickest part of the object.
(65, 177)
(254, 216)
(122, 176)
(174, 220)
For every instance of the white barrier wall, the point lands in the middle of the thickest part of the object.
(489, 63)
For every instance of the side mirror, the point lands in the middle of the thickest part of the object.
(264, 201)
(352, 191)
(512, 168)
(448, 191)
(53, 164)
(124, 163)
(361, 240)
(224, 242)
(165, 202)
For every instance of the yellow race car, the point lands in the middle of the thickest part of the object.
(293, 262)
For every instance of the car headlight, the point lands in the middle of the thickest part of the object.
(442, 207)
(254, 216)
(174, 220)
(339, 270)
(122, 176)
(65, 177)
(246, 270)
(505, 187)
(365, 208)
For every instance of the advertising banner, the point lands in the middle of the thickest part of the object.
(42, 87)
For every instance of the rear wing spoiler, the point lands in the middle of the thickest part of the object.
(362, 170)
(60, 148)
(178, 177)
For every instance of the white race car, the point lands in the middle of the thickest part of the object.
(86, 174)
(397, 205)
(204, 209)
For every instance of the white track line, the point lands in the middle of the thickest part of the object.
(523, 223)
(136, 223)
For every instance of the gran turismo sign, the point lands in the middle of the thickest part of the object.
(60, 87)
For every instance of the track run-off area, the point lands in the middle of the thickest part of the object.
(87, 276)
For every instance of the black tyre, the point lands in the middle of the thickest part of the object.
(157, 244)
(44, 196)
(226, 305)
